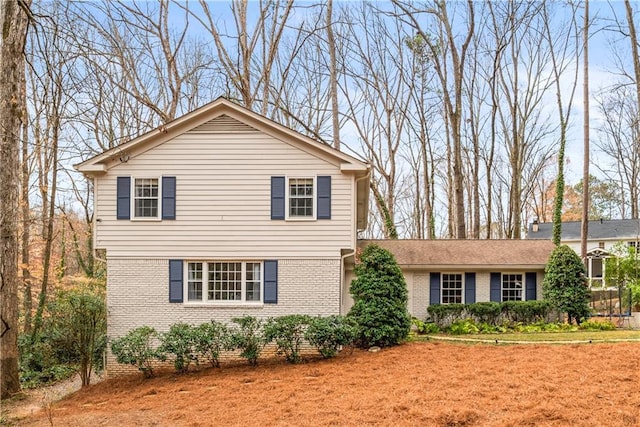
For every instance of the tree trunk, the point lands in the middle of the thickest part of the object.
(636, 70)
(26, 223)
(584, 232)
(14, 23)
(333, 76)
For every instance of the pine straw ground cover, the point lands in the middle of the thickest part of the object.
(427, 384)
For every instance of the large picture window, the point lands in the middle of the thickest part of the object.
(452, 288)
(512, 287)
(145, 198)
(224, 281)
(301, 197)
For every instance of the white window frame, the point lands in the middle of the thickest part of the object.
(134, 217)
(442, 288)
(207, 266)
(314, 199)
(523, 286)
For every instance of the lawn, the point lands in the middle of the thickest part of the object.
(420, 383)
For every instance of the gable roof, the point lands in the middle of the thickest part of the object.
(466, 254)
(101, 163)
(617, 229)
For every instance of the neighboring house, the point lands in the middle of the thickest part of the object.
(602, 236)
(223, 213)
(466, 271)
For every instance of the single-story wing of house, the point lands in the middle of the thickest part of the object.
(465, 271)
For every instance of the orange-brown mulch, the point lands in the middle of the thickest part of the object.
(427, 384)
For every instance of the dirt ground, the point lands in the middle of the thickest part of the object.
(427, 384)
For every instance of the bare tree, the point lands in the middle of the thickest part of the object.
(448, 58)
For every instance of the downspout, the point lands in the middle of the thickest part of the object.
(352, 252)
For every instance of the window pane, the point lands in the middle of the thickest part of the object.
(512, 287)
(225, 281)
(253, 281)
(194, 281)
(146, 198)
(301, 197)
(452, 288)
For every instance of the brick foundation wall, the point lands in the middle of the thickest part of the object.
(138, 295)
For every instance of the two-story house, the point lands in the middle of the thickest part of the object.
(224, 213)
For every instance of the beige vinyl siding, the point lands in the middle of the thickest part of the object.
(223, 201)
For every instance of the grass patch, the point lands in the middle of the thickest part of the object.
(578, 336)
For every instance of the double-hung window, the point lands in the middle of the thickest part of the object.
(301, 196)
(452, 288)
(224, 282)
(146, 198)
(512, 287)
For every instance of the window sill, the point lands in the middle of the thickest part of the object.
(222, 305)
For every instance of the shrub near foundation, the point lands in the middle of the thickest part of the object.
(138, 348)
(288, 334)
(180, 343)
(380, 299)
(248, 337)
(211, 339)
(329, 334)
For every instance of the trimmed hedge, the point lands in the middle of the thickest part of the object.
(490, 313)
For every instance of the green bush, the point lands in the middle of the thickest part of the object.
(180, 342)
(565, 284)
(138, 348)
(288, 334)
(526, 311)
(425, 327)
(485, 312)
(463, 327)
(211, 339)
(590, 325)
(72, 337)
(329, 334)
(380, 299)
(444, 315)
(80, 327)
(248, 337)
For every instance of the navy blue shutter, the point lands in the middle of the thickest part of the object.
(277, 197)
(531, 286)
(324, 197)
(175, 280)
(123, 191)
(168, 197)
(434, 289)
(271, 282)
(469, 288)
(495, 287)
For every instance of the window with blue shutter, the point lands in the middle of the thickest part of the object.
(277, 197)
(434, 289)
(270, 282)
(168, 197)
(175, 280)
(469, 288)
(324, 197)
(495, 287)
(531, 285)
(123, 191)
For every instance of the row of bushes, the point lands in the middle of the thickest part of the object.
(491, 313)
(206, 343)
(471, 326)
